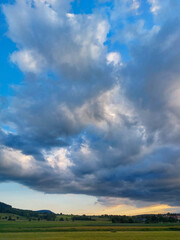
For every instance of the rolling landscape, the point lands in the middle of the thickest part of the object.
(44, 224)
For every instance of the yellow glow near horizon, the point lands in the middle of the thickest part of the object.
(133, 210)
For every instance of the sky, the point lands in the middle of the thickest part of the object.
(90, 105)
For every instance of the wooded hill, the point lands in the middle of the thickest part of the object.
(42, 214)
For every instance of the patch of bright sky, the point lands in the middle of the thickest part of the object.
(89, 6)
(146, 14)
(13, 194)
(142, 13)
(9, 73)
(83, 7)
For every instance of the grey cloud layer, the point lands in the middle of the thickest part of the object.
(94, 128)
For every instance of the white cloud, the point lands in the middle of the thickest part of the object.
(49, 36)
(114, 57)
(21, 163)
(58, 159)
(28, 61)
(135, 4)
(155, 6)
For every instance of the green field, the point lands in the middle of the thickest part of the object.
(93, 235)
(69, 226)
(99, 229)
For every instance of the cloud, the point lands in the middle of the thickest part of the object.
(28, 61)
(114, 57)
(82, 125)
(155, 6)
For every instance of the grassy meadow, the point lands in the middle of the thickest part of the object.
(138, 235)
(99, 229)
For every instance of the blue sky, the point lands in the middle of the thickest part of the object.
(9, 74)
(89, 104)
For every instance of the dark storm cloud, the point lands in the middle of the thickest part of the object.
(93, 128)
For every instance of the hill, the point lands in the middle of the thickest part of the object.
(44, 211)
(41, 214)
(5, 208)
